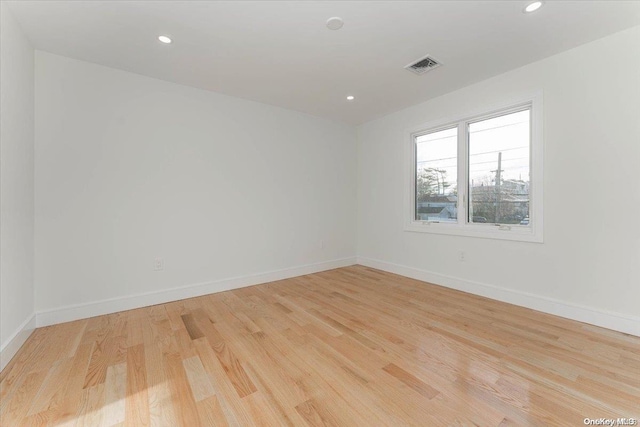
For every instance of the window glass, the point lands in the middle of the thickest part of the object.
(499, 164)
(436, 174)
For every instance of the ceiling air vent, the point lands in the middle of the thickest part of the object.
(423, 65)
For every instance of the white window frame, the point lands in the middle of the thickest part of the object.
(531, 233)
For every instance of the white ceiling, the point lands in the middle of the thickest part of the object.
(281, 53)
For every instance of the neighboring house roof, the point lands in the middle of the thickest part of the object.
(439, 199)
(430, 210)
(449, 211)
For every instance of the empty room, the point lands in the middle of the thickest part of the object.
(319, 213)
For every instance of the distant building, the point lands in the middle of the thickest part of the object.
(437, 208)
(515, 185)
(513, 198)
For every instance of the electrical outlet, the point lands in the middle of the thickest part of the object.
(462, 256)
(158, 264)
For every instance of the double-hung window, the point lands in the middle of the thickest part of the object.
(479, 175)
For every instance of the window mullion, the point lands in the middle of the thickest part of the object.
(462, 174)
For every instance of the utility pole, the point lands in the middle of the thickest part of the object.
(444, 182)
(498, 186)
(441, 172)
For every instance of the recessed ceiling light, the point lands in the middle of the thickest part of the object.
(165, 39)
(335, 23)
(532, 7)
(350, 98)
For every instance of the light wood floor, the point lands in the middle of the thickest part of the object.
(348, 347)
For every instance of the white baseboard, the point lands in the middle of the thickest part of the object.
(606, 319)
(113, 305)
(11, 346)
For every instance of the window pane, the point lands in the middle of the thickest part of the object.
(436, 176)
(499, 169)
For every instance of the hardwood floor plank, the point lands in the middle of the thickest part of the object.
(192, 327)
(201, 387)
(17, 407)
(315, 415)
(137, 401)
(161, 411)
(90, 412)
(410, 380)
(271, 393)
(236, 373)
(115, 394)
(211, 413)
(161, 408)
(261, 411)
(72, 388)
(97, 370)
(186, 412)
(231, 404)
(50, 386)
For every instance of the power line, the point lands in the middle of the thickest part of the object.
(476, 163)
(498, 151)
(437, 139)
(497, 127)
(475, 154)
(493, 161)
(470, 131)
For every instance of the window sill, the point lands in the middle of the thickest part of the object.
(515, 233)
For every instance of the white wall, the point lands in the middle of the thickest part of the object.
(130, 168)
(16, 186)
(587, 267)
